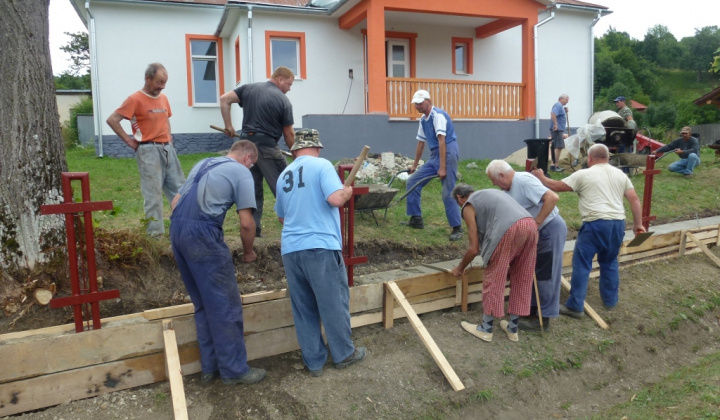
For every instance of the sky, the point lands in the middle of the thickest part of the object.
(632, 16)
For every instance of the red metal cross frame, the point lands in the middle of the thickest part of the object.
(86, 293)
(347, 223)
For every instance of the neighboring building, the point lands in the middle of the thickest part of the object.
(637, 106)
(710, 98)
(66, 98)
(357, 63)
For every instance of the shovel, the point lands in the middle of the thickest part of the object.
(222, 130)
(639, 239)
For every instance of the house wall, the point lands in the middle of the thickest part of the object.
(344, 136)
(65, 101)
(564, 57)
(327, 90)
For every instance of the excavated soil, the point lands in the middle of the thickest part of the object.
(667, 318)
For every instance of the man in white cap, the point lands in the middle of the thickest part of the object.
(437, 130)
(687, 148)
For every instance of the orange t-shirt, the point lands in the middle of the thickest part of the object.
(148, 116)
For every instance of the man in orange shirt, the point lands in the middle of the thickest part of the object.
(149, 113)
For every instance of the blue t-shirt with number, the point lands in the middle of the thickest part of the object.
(310, 222)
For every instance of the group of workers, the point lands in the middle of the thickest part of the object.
(518, 233)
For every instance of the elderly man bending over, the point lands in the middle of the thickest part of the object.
(540, 202)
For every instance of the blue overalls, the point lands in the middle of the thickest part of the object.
(208, 272)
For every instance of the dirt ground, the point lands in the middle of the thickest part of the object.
(667, 317)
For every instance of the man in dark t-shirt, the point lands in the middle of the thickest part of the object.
(267, 115)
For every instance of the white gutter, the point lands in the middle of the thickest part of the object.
(95, 78)
(250, 46)
(537, 66)
(592, 59)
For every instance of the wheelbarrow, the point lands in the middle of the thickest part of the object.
(380, 197)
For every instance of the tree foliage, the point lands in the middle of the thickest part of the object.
(641, 69)
(69, 81)
(79, 50)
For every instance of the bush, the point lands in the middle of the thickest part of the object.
(70, 127)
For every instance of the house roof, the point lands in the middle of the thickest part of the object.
(712, 97)
(303, 3)
(637, 105)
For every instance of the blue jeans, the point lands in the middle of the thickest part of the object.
(431, 167)
(685, 166)
(318, 286)
(604, 238)
(548, 266)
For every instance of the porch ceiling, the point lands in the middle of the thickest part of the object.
(431, 19)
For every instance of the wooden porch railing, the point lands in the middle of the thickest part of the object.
(462, 100)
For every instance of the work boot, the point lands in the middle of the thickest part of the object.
(564, 310)
(357, 356)
(416, 222)
(533, 324)
(252, 376)
(456, 233)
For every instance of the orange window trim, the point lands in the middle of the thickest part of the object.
(468, 53)
(300, 36)
(188, 63)
(237, 59)
(410, 36)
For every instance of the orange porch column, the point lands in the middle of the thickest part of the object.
(528, 68)
(377, 91)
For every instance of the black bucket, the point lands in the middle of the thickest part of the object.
(539, 148)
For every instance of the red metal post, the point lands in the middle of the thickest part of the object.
(86, 293)
(649, 173)
(347, 223)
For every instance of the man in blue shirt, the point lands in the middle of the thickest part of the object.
(558, 117)
(437, 130)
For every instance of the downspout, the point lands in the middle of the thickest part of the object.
(250, 46)
(592, 60)
(95, 78)
(537, 66)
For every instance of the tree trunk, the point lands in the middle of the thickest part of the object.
(33, 154)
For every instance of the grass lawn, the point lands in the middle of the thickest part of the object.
(674, 197)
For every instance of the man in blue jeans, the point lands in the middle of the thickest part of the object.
(437, 130)
(687, 148)
(309, 193)
(600, 188)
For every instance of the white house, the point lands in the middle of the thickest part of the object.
(496, 67)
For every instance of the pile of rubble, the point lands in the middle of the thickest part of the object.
(380, 168)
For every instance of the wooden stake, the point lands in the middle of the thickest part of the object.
(704, 249)
(174, 371)
(588, 309)
(426, 339)
(537, 301)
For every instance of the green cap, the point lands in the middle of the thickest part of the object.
(306, 137)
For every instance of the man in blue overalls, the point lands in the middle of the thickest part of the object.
(437, 130)
(205, 262)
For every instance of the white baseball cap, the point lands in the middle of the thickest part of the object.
(420, 96)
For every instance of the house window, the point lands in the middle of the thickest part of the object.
(285, 49)
(462, 61)
(204, 69)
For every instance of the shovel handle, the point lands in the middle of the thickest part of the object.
(215, 127)
(349, 180)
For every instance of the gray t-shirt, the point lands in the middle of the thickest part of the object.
(528, 191)
(495, 213)
(266, 109)
(224, 185)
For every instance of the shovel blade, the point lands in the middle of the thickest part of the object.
(639, 239)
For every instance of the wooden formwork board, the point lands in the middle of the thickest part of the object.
(52, 365)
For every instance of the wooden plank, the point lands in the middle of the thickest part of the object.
(588, 309)
(388, 303)
(464, 291)
(426, 339)
(683, 239)
(717, 241)
(174, 371)
(704, 249)
(48, 390)
(42, 355)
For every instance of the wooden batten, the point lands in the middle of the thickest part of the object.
(52, 365)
